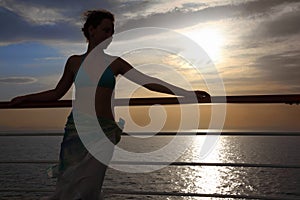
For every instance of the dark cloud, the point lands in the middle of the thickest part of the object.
(277, 24)
(17, 80)
(64, 6)
(261, 7)
(282, 68)
(16, 29)
(275, 73)
(286, 25)
(267, 74)
(181, 18)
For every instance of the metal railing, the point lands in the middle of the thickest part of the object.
(250, 99)
(247, 99)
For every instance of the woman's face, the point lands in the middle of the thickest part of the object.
(102, 32)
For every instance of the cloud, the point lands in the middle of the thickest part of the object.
(65, 9)
(184, 16)
(274, 28)
(17, 80)
(282, 67)
(59, 20)
(273, 73)
(35, 14)
(42, 20)
(18, 30)
(177, 18)
(284, 25)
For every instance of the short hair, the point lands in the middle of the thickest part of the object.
(94, 18)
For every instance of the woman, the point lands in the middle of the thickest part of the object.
(80, 174)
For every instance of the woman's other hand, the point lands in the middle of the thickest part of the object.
(203, 96)
(17, 100)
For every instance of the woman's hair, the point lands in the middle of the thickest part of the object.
(94, 18)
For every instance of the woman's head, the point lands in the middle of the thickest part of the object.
(94, 18)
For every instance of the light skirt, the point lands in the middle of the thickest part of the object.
(80, 175)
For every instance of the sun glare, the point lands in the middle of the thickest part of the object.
(210, 39)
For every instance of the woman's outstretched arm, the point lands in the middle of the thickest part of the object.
(152, 83)
(59, 91)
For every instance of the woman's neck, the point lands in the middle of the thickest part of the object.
(91, 46)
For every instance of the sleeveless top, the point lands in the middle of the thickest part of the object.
(107, 79)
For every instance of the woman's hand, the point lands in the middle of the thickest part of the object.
(17, 100)
(202, 96)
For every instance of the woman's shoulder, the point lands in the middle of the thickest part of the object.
(74, 62)
(76, 58)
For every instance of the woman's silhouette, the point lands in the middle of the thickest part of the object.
(80, 175)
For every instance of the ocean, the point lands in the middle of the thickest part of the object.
(282, 183)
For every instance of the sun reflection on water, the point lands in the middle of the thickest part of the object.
(214, 179)
(206, 179)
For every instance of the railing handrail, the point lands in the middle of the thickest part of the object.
(246, 99)
(178, 163)
(112, 191)
(163, 133)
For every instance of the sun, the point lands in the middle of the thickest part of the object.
(210, 39)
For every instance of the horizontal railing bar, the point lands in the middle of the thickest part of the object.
(30, 134)
(187, 194)
(249, 99)
(168, 134)
(158, 193)
(28, 161)
(215, 134)
(162, 163)
(207, 164)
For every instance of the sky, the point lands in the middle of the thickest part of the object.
(253, 44)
